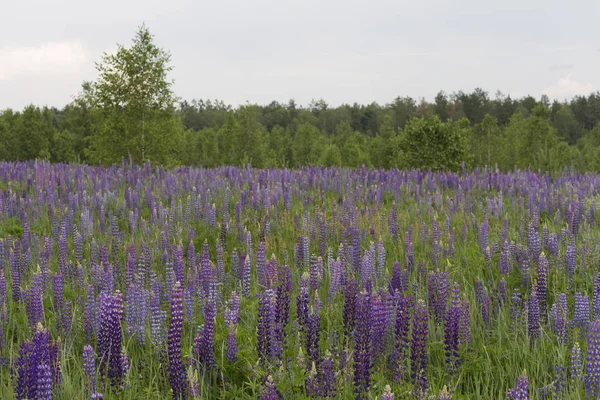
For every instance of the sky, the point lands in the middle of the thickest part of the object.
(342, 51)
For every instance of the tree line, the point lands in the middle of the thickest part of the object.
(131, 113)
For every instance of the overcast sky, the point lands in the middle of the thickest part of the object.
(339, 50)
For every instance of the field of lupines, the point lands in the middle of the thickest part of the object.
(144, 283)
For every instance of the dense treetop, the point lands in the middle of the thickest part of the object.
(131, 112)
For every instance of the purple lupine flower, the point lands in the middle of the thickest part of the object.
(542, 285)
(265, 326)
(235, 266)
(420, 332)
(553, 244)
(576, 369)
(302, 301)
(16, 276)
(362, 349)
(232, 309)
(89, 316)
(67, 319)
(387, 393)
(393, 222)
(232, 349)
(246, 276)
(282, 306)
(581, 316)
(505, 259)
(521, 391)
(316, 267)
(3, 297)
(464, 330)
(379, 325)
(401, 330)
(43, 388)
(158, 332)
(261, 261)
(451, 329)
(313, 335)
(89, 369)
(592, 365)
(533, 243)
(326, 386)
(270, 390)
(335, 279)
(110, 337)
(32, 381)
(570, 259)
(34, 309)
(533, 316)
(502, 291)
(559, 383)
(560, 323)
(271, 273)
(483, 234)
(204, 346)
(176, 371)
(596, 296)
(381, 258)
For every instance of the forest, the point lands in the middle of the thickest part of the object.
(129, 116)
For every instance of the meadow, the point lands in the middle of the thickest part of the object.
(139, 282)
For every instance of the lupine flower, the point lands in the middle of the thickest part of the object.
(204, 342)
(570, 259)
(592, 365)
(110, 338)
(559, 383)
(521, 391)
(246, 275)
(387, 393)
(261, 264)
(444, 394)
(464, 332)
(282, 306)
(265, 326)
(176, 371)
(596, 296)
(362, 349)
(313, 335)
(504, 259)
(326, 386)
(451, 329)
(303, 301)
(502, 292)
(379, 321)
(533, 316)
(581, 316)
(270, 390)
(89, 369)
(420, 332)
(541, 287)
(401, 329)
(231, 352)
(34, 381)
(576, 370)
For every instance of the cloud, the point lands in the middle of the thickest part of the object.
(567, 87)
(561, 67)
(48, 59)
